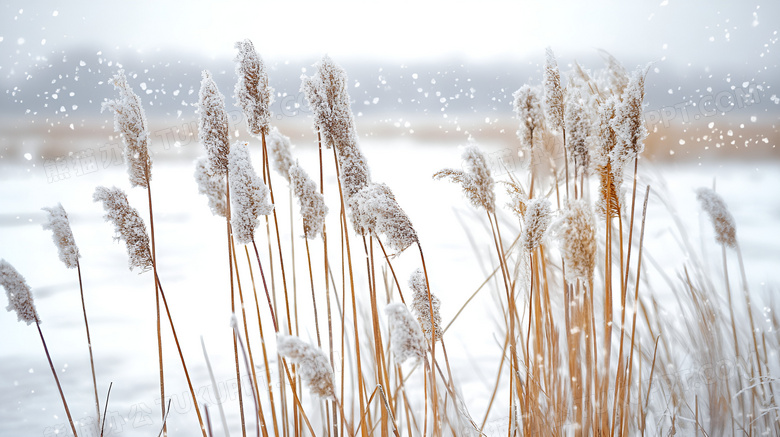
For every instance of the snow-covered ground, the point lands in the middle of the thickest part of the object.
(193, 271)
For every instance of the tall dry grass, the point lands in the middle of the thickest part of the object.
(587, 343)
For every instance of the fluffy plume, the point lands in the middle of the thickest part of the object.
(629, 123)
(313, 208)
(279, 146)
(62, 235)
(212, 186)
(422, 307)
(577, 131)
(407, 336)
(253, 94)
(213, 125)
(578, 241)
(248, 194)
(128, 226)
(722, 220)
(375, 210)
(326, 92)
(617, 76)
(610, 177)
(553, 93)
(476, 181)
(313, 365)
(537, 219)
(130, 121)
(19, 294)
(529, 111)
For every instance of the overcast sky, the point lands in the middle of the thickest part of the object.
(698, 32)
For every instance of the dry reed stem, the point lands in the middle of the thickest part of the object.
(89, 341)
(262, 338)
(57, 380)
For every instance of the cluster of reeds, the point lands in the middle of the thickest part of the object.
(587, 348)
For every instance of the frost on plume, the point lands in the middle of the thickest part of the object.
(62, 235)
(422, 307)
(213, 125)
(130, 121)
(212, 186)
(610, 175)
(248, 194)
(375, 210)
(529, 111)
(578, 241)
(313, 365)
(553, 93)
(629, 122)
(326, 92)
(537, 219)
(20, 297)
(476, 181)
(279, 148)
(407, 339)
(722, 220)
(253, 93)
(311, 201)
(128, 226)
(577, 132)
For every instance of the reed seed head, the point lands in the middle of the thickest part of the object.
(311, 201)
(62, 235)
(327, 95)
(629, 123)
(128, 226)
(253, 93)
(422, 307)
(375, 210)
(130, 121)
(722, 220)
(313, 365)
(213, 124)
(248, 194)
(578, 241)
(20, 297)
(279, 147)
(553, 92)
(577, 130)
(476, 181)
(212, 186)
(529, 111)
(538, 216)
(407, 339)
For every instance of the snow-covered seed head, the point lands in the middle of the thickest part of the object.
(130, 121)
(577, 131)
(249, 196)
(610, 174)
(20, 297)
(422, 307)
(212, 186)
(311, 201)
(253, 93)
(617, 76)
(313, 365)
(328, 98)
(407, 339)
(354, 172)
(529, 111)
(476, 181)
(537, 219)
(629, 122)
(279, 148)
(578, 241)
(375, 210)
(213, 124)
(128, 226)
(62, 235)
(553, 92)
(722, 220)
